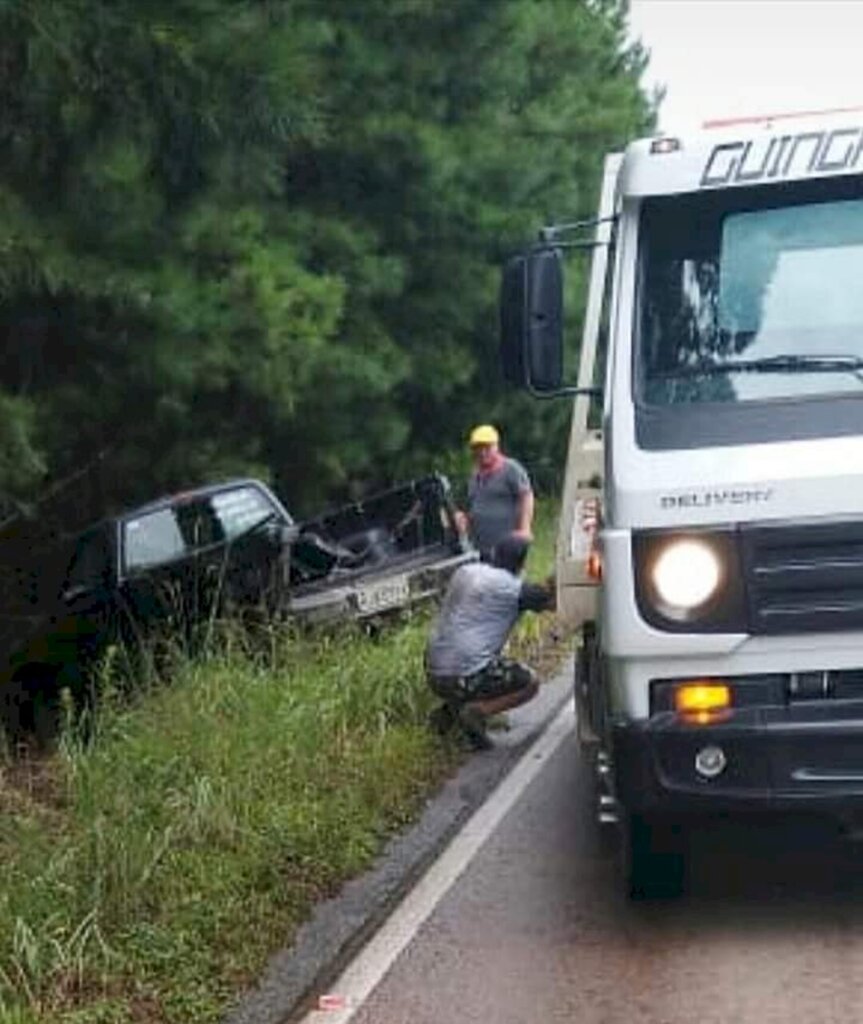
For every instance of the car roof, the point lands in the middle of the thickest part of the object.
(192, 494)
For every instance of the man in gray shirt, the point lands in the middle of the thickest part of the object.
(499, 498)
(463, 660)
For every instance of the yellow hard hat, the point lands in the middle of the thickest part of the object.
(485, 434)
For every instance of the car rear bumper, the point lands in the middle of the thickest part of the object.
(377, 593)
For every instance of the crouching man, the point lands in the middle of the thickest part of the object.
(463, 657)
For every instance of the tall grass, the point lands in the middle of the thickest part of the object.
(148, 872)
(533, 639)
(540, 562)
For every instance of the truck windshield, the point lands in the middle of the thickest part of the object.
(745, 300)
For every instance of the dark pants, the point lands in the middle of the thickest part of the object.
(500, 678)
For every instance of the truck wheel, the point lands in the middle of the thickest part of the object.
(652, 858)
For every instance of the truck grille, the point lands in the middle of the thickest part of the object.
(804, 578)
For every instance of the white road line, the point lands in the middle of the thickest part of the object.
(364, 973)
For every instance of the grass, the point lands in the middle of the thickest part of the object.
(537, 639)
(149, 873)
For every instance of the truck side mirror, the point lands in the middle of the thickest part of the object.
(531, 319)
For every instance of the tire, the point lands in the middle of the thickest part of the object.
(30, 707)
(653, 861)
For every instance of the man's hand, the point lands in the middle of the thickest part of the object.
(462, 523)
(524, 520)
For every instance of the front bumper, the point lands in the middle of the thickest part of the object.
(796, 757)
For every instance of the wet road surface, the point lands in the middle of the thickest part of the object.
(770, 928)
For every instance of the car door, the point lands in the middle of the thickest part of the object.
(189, 557)
(86, 621)
(258, 535)
(157, 581)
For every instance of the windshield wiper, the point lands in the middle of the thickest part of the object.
(791, 363)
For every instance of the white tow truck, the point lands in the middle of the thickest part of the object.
(711, 539)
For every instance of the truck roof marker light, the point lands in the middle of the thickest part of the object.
(666, 144)
(702, 700)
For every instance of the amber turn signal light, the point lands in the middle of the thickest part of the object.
(594, 566)
(700, 698)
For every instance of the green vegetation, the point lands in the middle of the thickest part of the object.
(149, 873)
(540, 562)
(181, 847)
(234, 232)
(535, 639)
(260, 238)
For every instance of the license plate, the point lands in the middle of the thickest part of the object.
(375, 597)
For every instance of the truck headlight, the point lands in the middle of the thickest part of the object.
(686, 574)
(689, 581)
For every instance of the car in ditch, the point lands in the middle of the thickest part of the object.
(170, 568)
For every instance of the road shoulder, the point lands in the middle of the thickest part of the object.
(340, 926)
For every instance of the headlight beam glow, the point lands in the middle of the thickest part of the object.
(687, 574)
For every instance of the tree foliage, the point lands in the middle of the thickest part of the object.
(251, 236)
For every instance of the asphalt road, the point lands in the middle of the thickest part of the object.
(536, 929)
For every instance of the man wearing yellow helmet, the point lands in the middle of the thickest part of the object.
(500, 497)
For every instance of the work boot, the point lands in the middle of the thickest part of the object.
(474, 728)
(443, 719)
(498, 723)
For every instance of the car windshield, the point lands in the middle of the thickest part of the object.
(746, 300)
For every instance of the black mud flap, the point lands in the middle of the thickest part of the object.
(652, 858)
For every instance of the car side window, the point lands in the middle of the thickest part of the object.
(152, 539)
(199, 525)
(241, 509)
(192, 524)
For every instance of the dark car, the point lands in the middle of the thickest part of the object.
(171, 567)
(167, 566)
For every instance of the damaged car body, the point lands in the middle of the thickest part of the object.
(175, 565)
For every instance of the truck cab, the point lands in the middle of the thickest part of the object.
(711, 541)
